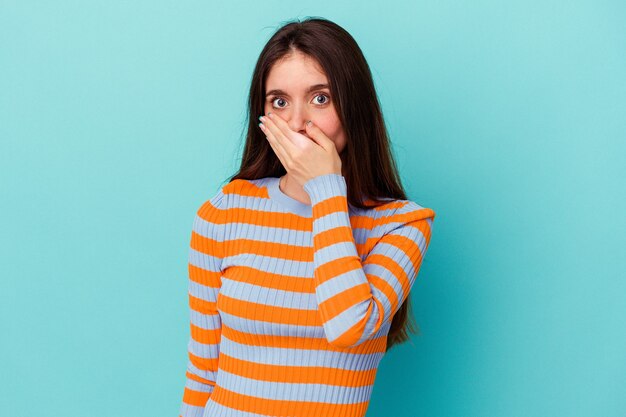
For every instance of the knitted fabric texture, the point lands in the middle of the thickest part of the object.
(290, 303)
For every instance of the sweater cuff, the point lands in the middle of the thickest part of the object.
(325, 186)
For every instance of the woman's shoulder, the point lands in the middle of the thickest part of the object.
(405, 209)
(212, 207)
(397, 213)
(243, 186)
(230, 192)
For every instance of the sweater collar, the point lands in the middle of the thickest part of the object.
(291, 204)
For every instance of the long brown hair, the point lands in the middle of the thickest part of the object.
(367, 149)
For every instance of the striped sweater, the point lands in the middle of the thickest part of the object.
(290, 303)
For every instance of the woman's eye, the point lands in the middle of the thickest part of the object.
(278, 99)
(323, 95)
(279, 102)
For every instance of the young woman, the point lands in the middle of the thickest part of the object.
(300, 267)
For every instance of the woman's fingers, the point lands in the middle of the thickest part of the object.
(281, 131)
(274, 143)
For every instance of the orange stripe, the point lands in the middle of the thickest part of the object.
(297, 374)
(199, 379)
(272, 249)
(272, 407)
(205, 336)
(206, 364)
(195, 398)
(204, 277)
(206, 245)
(414, 215)
(202, 306)
(207, 211)
(332, 236)
(375, 345)
(338, 303)
(338, 203)
(245, 188)
(354, 333)
(395, 269)
(269, 313)
(394, 204)
(335, 267)
(270, 280)
(281, 250)
(258, 217)
(270, 218)
(384, 287)
(424, 227)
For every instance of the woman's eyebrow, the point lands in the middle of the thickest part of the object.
(278, 92)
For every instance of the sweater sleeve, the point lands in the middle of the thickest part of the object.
(204, 269)
(355, 297)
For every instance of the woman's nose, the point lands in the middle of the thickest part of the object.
(297, 118)
(297, 123)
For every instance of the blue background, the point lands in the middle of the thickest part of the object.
(118, 119)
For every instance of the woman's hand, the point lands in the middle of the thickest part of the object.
(303, 158)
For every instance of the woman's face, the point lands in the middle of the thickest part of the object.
(297, 90)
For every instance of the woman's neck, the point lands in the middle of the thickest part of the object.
(293, 189)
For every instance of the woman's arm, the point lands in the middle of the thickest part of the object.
(355, 298)
(204, 266)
